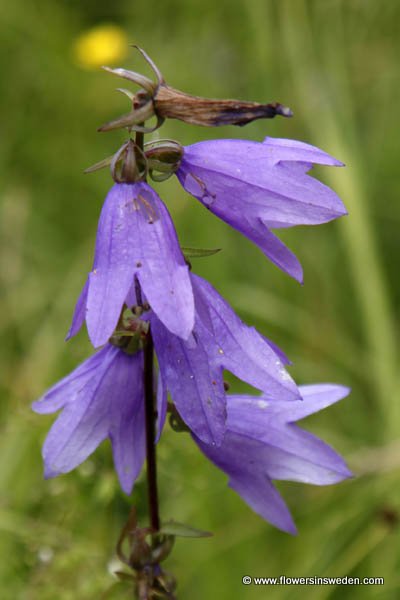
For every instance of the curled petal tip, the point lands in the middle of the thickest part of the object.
(49, 473)
(298, 275)
(339, 212)
(126, 487)
(348, 474)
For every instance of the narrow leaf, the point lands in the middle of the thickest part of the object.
(181, 530)
(198, 252)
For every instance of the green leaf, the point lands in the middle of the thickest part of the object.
(181, 530)
(198, 252)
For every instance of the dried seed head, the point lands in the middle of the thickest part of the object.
(173, 104)
(164, 102)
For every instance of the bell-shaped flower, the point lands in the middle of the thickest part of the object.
(256, 187)
(262, 443)
(257, 440)
(102, 398)
(135, 239)
(192, 370)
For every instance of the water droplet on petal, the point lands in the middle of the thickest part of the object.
(262, 404)
(285, 375)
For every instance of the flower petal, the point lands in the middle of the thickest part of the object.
(239, 459)
(84, 423)
(239, 348)
(162, 405)
(80, 312)
(257, 231)
(281, 149)
(127, 423)
(255, 186)
(286, 451)
(261, 444)
(297, 455)
(316, 397)
(68, 390)
(165, 276)
(102, 398)
(136, 237)
(263, 497)
(279, 196)
(195, 384)
(113, 268)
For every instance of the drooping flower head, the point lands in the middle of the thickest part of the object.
(256, 187)
(192, 370)
(135, 239)
(140, 290)
(102, 398)
(253, 186)
(262, 443)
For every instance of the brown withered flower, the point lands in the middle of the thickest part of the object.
(164, 102)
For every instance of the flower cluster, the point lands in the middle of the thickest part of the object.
(141, 289)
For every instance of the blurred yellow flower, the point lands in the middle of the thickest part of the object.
(104, 44)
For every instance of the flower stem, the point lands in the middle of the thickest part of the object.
(139, 138)
(150, 416)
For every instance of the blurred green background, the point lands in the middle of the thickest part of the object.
(336, 64)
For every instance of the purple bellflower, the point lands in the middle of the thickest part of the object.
(145, 311)
(135, 238)
(256, 187)
(101, 398)
(262, 443)
(192, 370)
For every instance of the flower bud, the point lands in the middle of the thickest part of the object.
(163, 158)
(128, 164)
